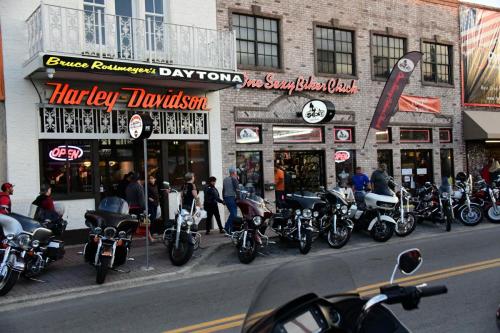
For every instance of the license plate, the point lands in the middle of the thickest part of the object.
(54, 245)
(106, 253)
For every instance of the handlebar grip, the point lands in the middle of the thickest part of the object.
(432, 291)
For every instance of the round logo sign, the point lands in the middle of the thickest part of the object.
(343, 135)
(342, 156)
(248, 135)
(135, 126)
(406, 65)
(314, 112)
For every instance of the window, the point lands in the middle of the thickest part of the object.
(385, 156)
(285, 134)
(445, 135)
(187, 156)
(343, 134)
(154, 25)
(249, 167)
(257, 41)
(334, 51)
(94, 21)
(386, 51)
(67, 166)
(447, 167)
(415, 135)
(437, 63)
(345, 165)
(248, 134)
(384, 136)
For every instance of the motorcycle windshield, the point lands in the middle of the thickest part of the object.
(9, 225)
(114, 205)
(323, 276)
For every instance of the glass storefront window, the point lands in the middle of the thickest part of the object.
(384, 136)
(416, 167)
(67, 166)
(197, 156)
(115, 161)
(345, 166)
(385, 156)
(445, 135)
(187, 156)
(249, 167)
(304, 170)
(289, 134)
(422, 135)
(447, 167)
(248, 134)
(176, 163)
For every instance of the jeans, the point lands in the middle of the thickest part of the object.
(233, 211)
(212, 211)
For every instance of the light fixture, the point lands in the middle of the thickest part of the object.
(492, 141)
(50, 72)
(112, 163)
(87, 164)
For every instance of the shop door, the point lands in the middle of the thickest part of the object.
(304, 170)
(416, 167)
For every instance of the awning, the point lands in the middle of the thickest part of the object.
(481, 125)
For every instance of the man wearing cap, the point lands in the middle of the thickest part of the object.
(5, 203)
(230, 191)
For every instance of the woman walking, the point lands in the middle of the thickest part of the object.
(189, 192)
(211, 199)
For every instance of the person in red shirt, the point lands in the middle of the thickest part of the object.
(44, 200)
(5, 203)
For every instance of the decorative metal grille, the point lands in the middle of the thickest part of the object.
(92, 123)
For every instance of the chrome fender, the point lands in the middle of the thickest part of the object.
(383, 218)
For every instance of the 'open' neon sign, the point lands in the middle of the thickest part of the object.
(66, 153)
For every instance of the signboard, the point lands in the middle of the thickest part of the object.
(342, 134)
(247, 134)
(409, 103)
(137, 98)
(140, 70)
(342, 156)
(140, 126)
(317, 111)
(66, 153)
(302, 84)
(480, 56)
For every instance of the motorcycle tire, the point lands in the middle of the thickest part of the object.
(8, 281)
(494, 218)
(102, 270)
(408, 227)
(181, 255)
(464, 218)
(382, 231)
(247, 255)
(449, 219)
(305, 243)
(340, 239)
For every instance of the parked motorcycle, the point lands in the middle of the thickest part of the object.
(182, 237)
(110, 237)
(333, 222)
(295, 221)
(28, 248)
(432, 205)
(469, 213)
(297, 297)
(488, 198)
(405, 221)
(249, 231)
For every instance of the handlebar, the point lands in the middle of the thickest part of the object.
(432, 291)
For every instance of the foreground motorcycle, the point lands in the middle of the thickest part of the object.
(28, 248)
(333, 222)
(110, 238)
(182, 237)
(249, 231)
(488, 198)
(294, 223)
(319, 295)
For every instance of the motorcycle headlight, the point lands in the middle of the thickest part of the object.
(307, 213)
(189, 220)
(122, 234)
(338, 206)
(344, 209)
(97, 230)
(35, 243)
(10, 237)
(315, 214)
(24, 241)
(444, 195)
(109, 232)
(297, 212)
(257, 220)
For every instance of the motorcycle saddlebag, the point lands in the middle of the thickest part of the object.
(120, 255)
(55, 250)
(90, 251)
(237, 223)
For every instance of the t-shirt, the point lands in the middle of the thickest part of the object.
(360, 181)
(279, 178)
(380, 183)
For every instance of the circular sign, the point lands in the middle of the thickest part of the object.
(248, 135)
(406, 65)
(343, 135)
(135, 126)
(317, 111)
(342, 156)
(66, 153)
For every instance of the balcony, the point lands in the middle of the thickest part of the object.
(74, 32)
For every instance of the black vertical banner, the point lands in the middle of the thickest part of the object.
(393, 89)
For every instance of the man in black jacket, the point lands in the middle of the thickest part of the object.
(210, 204)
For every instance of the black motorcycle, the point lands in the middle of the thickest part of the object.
(319, 295)
(432, 204)
(294, 222)
(28, 247)
(111, 230)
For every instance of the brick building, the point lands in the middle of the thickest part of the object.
(283, 46)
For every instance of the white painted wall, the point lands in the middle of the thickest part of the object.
(199, 13)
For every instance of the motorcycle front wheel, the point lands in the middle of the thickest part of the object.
(181, 255)
(492, 216)
(247, 253)
(305, 243)
(8, 280)
(339, 238)
(382, 231)
(470, 217)
(405, 225)
(102, 269)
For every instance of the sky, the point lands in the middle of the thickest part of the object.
(491, 3)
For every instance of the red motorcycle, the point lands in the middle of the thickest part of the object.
(489, 199)
(249, 231)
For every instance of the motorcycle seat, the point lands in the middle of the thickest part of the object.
(34, 227)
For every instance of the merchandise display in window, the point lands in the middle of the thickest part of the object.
(249, 168)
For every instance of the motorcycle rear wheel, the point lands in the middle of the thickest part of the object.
(248, 253)
(182, 254)
(472, 217)
(305, 243)
(407, 227)
(340, 238)
(8, 281)
(102, 269)
(494, 218)
(382, 231)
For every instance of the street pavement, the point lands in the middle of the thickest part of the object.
(215, 286)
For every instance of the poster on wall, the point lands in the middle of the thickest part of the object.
(480, 56)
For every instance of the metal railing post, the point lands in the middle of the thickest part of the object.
(99, 25)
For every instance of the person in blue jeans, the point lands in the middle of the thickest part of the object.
(230, 192)
(360, 183)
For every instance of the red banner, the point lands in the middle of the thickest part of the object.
(419, 104)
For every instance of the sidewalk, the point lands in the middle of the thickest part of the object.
(72, 273)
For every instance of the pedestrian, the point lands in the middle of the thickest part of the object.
(134, 194)
(189, 192)
(380, 181)
(122, 185)
(44, 203)
(212, 198)
(5, 203)
(279, 178)
(153, 198)
(360, 183)
(230, 192)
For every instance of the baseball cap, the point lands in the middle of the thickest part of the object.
(6, 186)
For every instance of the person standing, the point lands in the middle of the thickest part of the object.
(279, 178)
(380, 181)
(5, 203)
(122, 185)
(360, 183)
(212, 198)
(134, 194)
(153, 198)
(230, 192)
(189, 192)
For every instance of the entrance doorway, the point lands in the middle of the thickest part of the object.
(303, 170)
(416, 167)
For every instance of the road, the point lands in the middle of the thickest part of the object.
(214, 298)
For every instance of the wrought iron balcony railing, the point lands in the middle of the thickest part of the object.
(61, 30)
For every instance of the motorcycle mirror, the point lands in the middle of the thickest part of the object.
(408, 262)
(321, 188)
(166, 185)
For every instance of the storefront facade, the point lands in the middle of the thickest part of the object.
(68, 127)
(293, 53)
